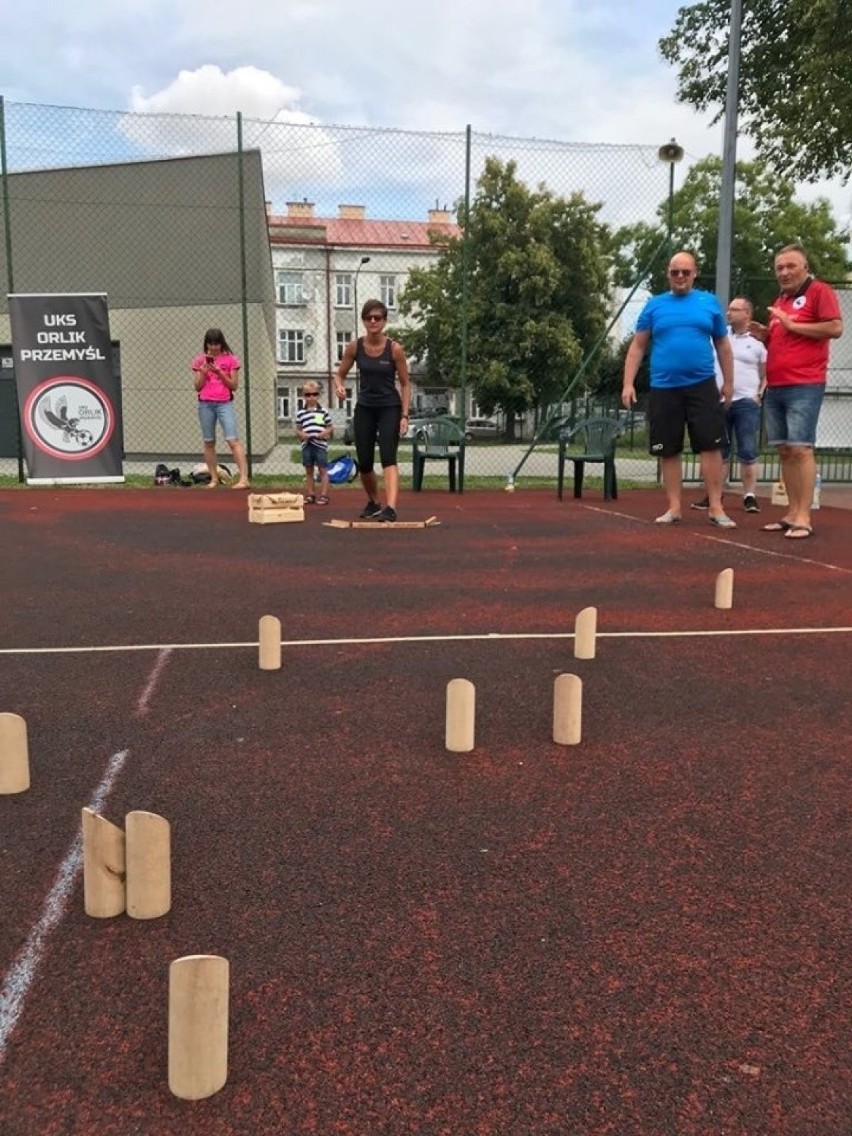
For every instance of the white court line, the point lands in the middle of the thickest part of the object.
(21, 974)
(147, 693)
(728, 541)
(493, 636)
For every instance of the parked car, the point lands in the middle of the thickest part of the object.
(481, 428)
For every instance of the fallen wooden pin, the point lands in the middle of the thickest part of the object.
(429, 523)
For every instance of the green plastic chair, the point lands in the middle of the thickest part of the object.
(438, 440)
(598, 437)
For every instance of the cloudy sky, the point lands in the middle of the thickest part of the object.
(569, 70)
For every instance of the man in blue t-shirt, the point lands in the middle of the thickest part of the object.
(683, 328)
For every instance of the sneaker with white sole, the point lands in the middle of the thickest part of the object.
(387, 515)
(370, 511)
(750, 503)
(723, 521)
(701, 503)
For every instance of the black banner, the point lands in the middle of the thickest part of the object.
(68, 396)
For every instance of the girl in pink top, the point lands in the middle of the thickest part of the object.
(215, 374)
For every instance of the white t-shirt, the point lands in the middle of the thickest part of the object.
(749, 353)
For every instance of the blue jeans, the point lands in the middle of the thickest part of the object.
(314, 454)
(742, 421)
(209, 413)
(791, 414)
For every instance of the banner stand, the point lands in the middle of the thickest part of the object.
(68, 396)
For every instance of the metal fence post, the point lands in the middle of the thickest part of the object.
(244, 289)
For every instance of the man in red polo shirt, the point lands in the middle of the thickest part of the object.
(802, 320)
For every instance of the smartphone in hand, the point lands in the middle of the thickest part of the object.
(209, 360)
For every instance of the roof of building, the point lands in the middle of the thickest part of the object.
(357, 233)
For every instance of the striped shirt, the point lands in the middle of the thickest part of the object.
(312, 420)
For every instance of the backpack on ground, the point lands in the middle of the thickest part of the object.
(200, 474)
(343, 470)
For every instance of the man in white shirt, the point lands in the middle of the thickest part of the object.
(742, 417)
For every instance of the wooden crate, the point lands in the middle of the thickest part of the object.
(275, 508)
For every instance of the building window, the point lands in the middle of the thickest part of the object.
(343, 289)
(290, 288)
(341, 338)
(347, 402)
(283, 406)
(291, 346)
(387, 291)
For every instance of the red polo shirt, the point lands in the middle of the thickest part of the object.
(793, 358)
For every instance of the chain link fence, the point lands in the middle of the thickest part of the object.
(277, 233)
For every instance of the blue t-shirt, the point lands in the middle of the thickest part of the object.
(682, 332)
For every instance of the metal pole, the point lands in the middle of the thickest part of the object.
(465, 282)
(244, 287)
(729, 160)
(10, 276)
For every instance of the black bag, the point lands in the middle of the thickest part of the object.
(200, 474)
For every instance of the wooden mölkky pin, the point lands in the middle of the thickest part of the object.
(149, 870)
(14, 754)
(269, 634)
(104, 867)
(724, 599)
(198, 1025)
(461, 715)
(567, 709)
(585, 633)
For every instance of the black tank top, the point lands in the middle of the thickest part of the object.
(377, 376)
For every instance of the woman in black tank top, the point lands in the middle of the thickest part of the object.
(381, 410)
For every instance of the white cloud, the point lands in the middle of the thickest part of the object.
(196, 113)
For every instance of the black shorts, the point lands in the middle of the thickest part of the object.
(376, 423)
(696, 408)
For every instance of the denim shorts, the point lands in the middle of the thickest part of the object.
(209, 413)
(742, 421)
(791, 413)
(312, 454)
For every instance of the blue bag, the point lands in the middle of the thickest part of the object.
(342, 470)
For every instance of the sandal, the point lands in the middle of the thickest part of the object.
(310, 499)
(323, 500)
(798, 532)
(667, 518)
(777, 526)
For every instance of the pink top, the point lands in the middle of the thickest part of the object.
(213, 389)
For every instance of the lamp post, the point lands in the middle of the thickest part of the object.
(364, 260)
(671, 153)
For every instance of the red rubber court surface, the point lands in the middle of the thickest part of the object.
(646, 934)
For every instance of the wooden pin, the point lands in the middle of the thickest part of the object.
(461, 715)
(14, 754)
(104, 892)
(585, 632)
(725, 589)
(567, 709)
(149, 872)
(198, 1025)
(270, 643)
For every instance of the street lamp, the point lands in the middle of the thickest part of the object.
(671, 153)
(364, 260)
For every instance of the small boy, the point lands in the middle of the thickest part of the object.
(314, 428)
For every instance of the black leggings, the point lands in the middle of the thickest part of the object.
(370, 423)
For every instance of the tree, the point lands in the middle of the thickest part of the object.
(538, 285)
(766, 217)
(795, 98)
